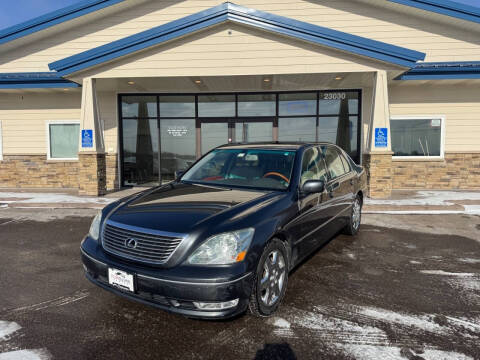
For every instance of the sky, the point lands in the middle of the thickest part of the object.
(16, 11)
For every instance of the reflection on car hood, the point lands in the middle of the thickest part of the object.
(178, 207)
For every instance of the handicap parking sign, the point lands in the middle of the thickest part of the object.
(381, 137)
(87, 138)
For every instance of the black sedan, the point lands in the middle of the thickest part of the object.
(223, 236)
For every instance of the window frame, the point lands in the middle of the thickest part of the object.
(442, 119)
(59, 122)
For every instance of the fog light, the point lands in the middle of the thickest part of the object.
(216, 305)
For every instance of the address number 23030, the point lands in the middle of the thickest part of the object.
(334, 96)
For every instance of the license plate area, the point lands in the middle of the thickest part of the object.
(121, 280)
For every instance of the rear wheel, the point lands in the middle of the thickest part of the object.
(355, 217)
(271, 279)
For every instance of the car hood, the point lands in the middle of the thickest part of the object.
(179, 207)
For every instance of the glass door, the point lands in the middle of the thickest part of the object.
(248, 131)
(214, 133)
(177, 144)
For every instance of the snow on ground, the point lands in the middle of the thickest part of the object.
(431, 198)
(37, 354)
(423, 322)
(446, 273)
(369, 352)
(51, 198)
(469, 260)
(7, 328)
(359, 331)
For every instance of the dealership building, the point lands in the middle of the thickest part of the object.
(106, 94)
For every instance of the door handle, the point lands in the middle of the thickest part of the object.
(351, 181)
(335, 186)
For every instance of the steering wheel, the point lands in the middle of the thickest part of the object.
(274, 173)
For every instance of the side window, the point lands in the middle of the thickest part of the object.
(345, 162)
(313, 167)
(334, 163)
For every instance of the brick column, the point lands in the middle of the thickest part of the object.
(92, 177)
(377, 158)
(92, 173)
(379, 174)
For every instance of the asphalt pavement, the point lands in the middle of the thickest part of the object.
(406, 287)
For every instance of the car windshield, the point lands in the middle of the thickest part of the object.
(252, 168)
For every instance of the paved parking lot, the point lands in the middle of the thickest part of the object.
(406, 287)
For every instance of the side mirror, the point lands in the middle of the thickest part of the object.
(178, 174)
(313, 186)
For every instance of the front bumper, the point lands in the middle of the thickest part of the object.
(168, 294)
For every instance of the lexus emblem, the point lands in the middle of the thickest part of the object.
(131, 243)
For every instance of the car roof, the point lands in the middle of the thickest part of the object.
(275, 145)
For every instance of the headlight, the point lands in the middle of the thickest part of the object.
(222, 249)
(95, 227)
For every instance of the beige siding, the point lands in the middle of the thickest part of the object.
(459, 103)
(107, 102)
(439, 41)
(213, 53)
(24, 118)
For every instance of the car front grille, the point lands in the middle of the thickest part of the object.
(149, 248)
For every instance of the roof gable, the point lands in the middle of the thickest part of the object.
(54, 18)
(445, 7)
(231, 12)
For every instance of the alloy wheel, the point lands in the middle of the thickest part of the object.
(273, 278)
(356, 214)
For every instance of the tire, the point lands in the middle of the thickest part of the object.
(271, 278)
(355, 218)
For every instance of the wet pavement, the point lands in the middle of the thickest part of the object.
(387, 293)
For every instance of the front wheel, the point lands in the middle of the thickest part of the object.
(271, 279)
(355, 219)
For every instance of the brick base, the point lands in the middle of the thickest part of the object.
(92, 178)
(456, 171)
(35, 171)
(113, 179)
(379, 174)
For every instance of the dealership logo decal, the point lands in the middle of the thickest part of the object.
(131, 243)
(177, 130)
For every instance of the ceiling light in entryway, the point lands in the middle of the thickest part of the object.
(338, 78)
(267, 80)
(131, 83)
(198, 81)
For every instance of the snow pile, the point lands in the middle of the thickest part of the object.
(7, 328)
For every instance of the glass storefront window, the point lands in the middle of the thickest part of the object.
(253, 131)
(177, 106)
(327, 128)
(139, 106)
(216, 106)
(257, 105)
(297, 104)
(297, 129)
(140, 151)
(213, 135)
(156, 144)
(416, 137)
(177, 139)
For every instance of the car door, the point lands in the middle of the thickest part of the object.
(312, 211)
(338, 188)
